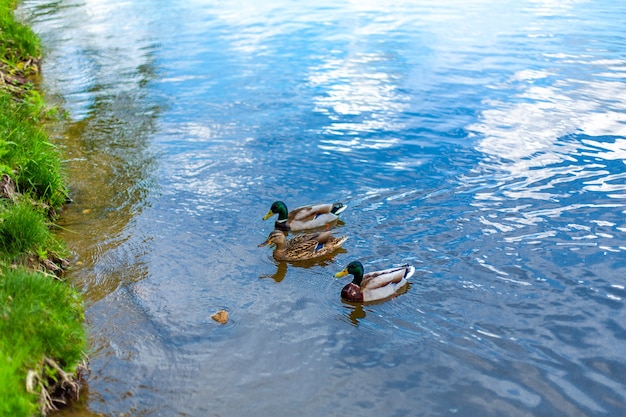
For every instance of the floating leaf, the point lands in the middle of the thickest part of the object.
(221, 317)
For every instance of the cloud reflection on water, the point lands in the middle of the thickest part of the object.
(358, 98)
(546, 113)
(559, 142)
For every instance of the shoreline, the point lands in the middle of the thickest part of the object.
(42, 333)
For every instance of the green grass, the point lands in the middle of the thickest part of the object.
(23, 230)
(15, 400)
(18, 41)
(26, 153)
(45, 314)
(41, 318)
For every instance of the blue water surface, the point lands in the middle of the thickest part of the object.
(484, 142)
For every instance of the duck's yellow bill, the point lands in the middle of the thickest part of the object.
(341, 273)
(268, 215)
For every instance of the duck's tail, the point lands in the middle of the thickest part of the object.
(340, 240)
(338, 208)
(410, 270)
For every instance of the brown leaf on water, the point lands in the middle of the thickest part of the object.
(221, 317)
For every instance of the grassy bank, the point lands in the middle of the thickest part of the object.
(42, 337)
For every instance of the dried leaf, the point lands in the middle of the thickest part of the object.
(221, 317)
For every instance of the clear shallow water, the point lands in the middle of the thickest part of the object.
(482, 141)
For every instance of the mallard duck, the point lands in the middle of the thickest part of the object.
(373, 285)
(304, 246)
(306, 217)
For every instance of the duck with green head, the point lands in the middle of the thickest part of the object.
(376, 285)
(304, 246)
(305, 217)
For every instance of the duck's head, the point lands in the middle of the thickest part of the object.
(354, 268)
(278, 207)
(276, 237)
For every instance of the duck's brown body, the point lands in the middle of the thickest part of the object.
(303, 247)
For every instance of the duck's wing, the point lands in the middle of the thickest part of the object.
(303, 250)
(309, 213)
(379, 279)
(317, 244)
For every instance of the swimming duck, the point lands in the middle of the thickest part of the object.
(304, 246)
(305, 217)
(373, 285)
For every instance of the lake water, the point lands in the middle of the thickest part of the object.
(484, 142)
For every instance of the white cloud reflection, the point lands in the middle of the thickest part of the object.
(528, 157)
(98, 41)
(546, 113)
(194, 167)
(358, 98)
